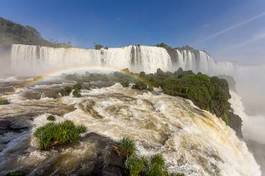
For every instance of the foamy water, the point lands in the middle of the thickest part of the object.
(192, 141)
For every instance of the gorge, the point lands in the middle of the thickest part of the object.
(209, 157)
(37, 82)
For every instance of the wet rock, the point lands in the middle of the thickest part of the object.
(6, 90)
(4, 125)
(19, 125)
(31, 95)
(14, 125)
(95, 155)
(100, 84)
(235, 122)
(52, 92)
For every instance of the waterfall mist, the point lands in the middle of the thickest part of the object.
(249, 106)
(5, 61)
(250, 86)
(30, 60)
(36, 60)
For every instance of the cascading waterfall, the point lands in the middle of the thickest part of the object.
(37, 59)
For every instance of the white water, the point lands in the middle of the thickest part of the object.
(29, 59)
(253, 126)
(40, 60)
(192, 141)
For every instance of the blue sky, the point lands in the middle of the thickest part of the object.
(228, 29)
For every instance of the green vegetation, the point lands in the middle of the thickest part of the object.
(3, 101)
(127, 147)
(11, 33)
(140, 166)
(81, 129)
(51, 118)
(163, 45)
(209, 93)
(77, 89)
(57, 134)
(66, 91)
(134, 165)
(157, 166)
(16, 173)
(98, 46)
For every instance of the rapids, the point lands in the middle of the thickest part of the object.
(191, 140)
(38, 60)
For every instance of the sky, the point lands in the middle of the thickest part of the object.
(228, 29)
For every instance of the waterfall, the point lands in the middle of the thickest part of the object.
(30, 59)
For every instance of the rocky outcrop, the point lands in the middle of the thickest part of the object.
(11, 33)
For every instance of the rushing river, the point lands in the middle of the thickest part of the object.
(191, 140)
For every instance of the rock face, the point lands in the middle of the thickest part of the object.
(11, 32)
(94, 155)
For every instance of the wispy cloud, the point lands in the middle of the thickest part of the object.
(255, 38)
(233, 27)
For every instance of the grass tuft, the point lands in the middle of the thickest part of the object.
(3, 101)
(127, 147)
(134, 165)
(16, 173)
(58, 134)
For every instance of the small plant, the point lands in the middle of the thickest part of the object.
(127, 147)
(76, 93)
(66, 91)
(51, 118)
(98, 46)
(57, 134)
(77, 89)
(134, 165)
(140, 85)
(77, 86)
(3, 101)
(81, 129)
(157, 166)
(141, 166)
(16, 173)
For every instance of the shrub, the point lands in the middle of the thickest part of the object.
(57, 134)
(209, 93)
(77, 89)
(140, 166)
(98, 46)
(157, 166)
(127, 147)
(16, 173)
(134, 165)
(76, 93)
(3, 101)
(77, 86)
(66, 91)
(140, 85)
(51, 118)
(81, 129)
